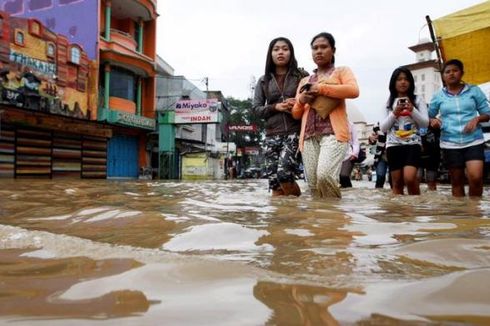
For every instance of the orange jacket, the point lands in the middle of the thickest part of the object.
(345, 87)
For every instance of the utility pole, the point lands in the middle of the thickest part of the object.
(252, 84)
(206, 82)
(1, 111)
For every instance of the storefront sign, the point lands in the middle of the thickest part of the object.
(242, 128)
(252, 150)
(197, 111)
(45, 68)
(128, 119)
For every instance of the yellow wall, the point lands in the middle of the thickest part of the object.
(195, 167)
(72, 95)
(35, 47)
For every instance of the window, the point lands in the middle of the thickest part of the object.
(415, 78)
(422, 77)
(136, 32)
(423, 88)
(123, 84)
(75, 55)
(51, 50)
(34, 28)
(19, 38)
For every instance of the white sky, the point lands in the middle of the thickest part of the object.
(227, 40)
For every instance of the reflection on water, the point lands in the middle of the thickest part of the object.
(29, 287)
(227, 253)
(295, 304)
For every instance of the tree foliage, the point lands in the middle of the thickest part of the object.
(241, 114)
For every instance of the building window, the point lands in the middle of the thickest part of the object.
(423, 89)
(136, 32)
(123, 84)
(19, 38)
(415, 78)
(34, 28)
(422, 77)
(75, 55)
(51, 50)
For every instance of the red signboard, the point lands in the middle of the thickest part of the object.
(251, 150)
(242, 128)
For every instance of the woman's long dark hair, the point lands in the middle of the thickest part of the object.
(394, 93)
(270, 66)
(329, 37)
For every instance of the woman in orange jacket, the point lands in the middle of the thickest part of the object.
(320, 104)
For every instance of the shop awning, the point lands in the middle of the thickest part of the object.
(465, 35)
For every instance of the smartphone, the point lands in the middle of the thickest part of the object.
(403, 101)
(306, 87)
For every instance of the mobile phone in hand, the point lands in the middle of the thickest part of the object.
(402, 101)
(306, 87)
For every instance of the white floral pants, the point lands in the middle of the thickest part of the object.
(322, 158)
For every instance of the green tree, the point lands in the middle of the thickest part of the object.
(241, 114)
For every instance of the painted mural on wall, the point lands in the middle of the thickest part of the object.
(76, 19)
(40, 69)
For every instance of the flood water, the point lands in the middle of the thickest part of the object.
(79, 252)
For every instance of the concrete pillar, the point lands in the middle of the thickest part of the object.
(108, 13)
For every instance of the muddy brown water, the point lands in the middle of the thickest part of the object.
(77, 252)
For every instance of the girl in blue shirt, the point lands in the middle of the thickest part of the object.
(458, 109)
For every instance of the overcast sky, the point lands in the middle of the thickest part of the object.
(227, 40)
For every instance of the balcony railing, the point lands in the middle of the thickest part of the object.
(124, 39)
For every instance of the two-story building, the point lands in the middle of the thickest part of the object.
(47, 112)
(126, 83)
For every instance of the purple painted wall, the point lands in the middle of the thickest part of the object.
(76, 19)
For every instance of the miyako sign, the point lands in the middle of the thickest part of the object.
(197, 111)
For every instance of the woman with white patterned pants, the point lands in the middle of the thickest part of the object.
(324, 136)
(322, 159)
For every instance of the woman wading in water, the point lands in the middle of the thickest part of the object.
(273, 101)
(320, 105)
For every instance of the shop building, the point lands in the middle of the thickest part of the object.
(77, 87)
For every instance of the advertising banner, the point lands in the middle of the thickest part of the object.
(251, 150)
(242, 128)
(197, 111)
